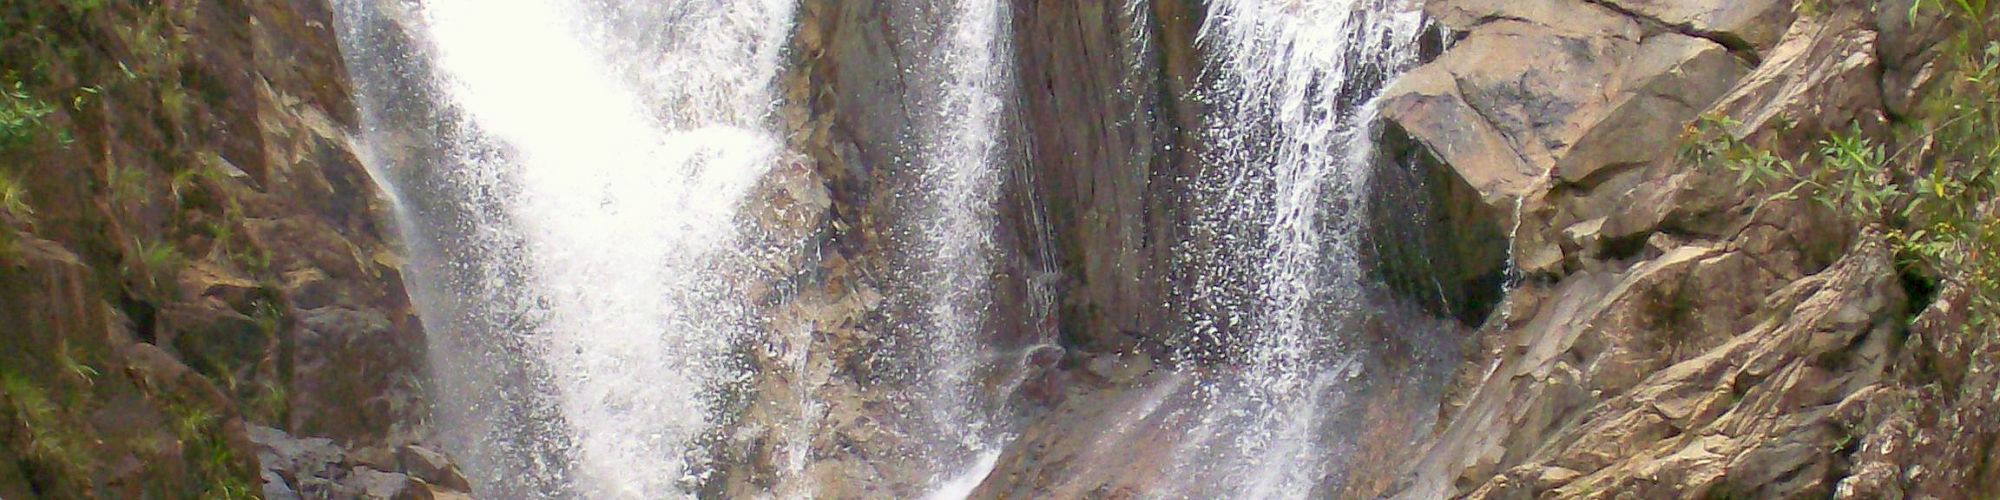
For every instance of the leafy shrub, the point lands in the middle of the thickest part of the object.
(1937, 190)
(21, 115)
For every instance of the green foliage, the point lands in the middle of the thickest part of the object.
(1951, 223)
(75, 361)
(14, 198)
(253, 259)
(1975, 10)
(1849, 174)
(30, 404)
(1808, 8)
(205, 447)
(22, 116)
(270, 404)
(157, 263)
(1938, 192)
(51, 442)
(185, 182)
(128, 184)
(119, 64)
(82, 6)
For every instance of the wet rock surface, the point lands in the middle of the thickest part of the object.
(1660, 334)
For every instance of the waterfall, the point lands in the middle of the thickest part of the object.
(568, 176)
(570, 172)
(1271, 273)
(962, 86)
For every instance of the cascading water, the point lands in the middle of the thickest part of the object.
(962, 90)
(569, 172)
(1271, 271)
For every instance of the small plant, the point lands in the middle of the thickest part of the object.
(83, 96)
(72, 361)
(128, 184)
(184, 183)
(21, 115)
(176, 102)
(204, 447)
(1670, 312)
(80, 7)
(1937, 192)
(253, 259)
(1808, 8)
(191, 422)
(31, 406)
(49, 442)
(1849, 176)
(187, 186)
(157, 263)
(270, 403)
(14, 199)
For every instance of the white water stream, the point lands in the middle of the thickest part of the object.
(570, 175)
(1275, 274)
(586, 191)
(962, 85)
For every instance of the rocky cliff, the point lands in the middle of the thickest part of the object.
(192, 263)
(198, 296)
(1666, 330)
(1675, 331)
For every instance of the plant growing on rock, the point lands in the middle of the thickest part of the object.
(1937, 190)
(51, 443)
(21, 115)
(205, 447)
(14, 198)
(74, 361)
(157, 263)
(16, 210)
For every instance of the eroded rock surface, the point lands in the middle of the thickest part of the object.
(205, 251)
(1675, 334)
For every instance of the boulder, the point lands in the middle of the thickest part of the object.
(1544, 96)
(1691, 337)
(295, 467)
(1739, 24)
(432, 467)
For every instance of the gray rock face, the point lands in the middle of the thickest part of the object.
(1107, 143)
(1666, 341)
(319, 468)
(1554, 97)
(1681, 335)
(1740, 24)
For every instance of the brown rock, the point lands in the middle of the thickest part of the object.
(432, 467)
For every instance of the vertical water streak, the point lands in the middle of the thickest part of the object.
(1271, 276)
(602, 148)
(492, 400)
(962, 168)
(959, 94)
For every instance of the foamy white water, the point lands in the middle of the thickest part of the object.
(959, 155)
(603, 149)
(1274, 271)
(571, 171)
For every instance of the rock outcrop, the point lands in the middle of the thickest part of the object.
(201, 249)
(1674, 333)
(1112, 133)
(294, 468)
(198, 298)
